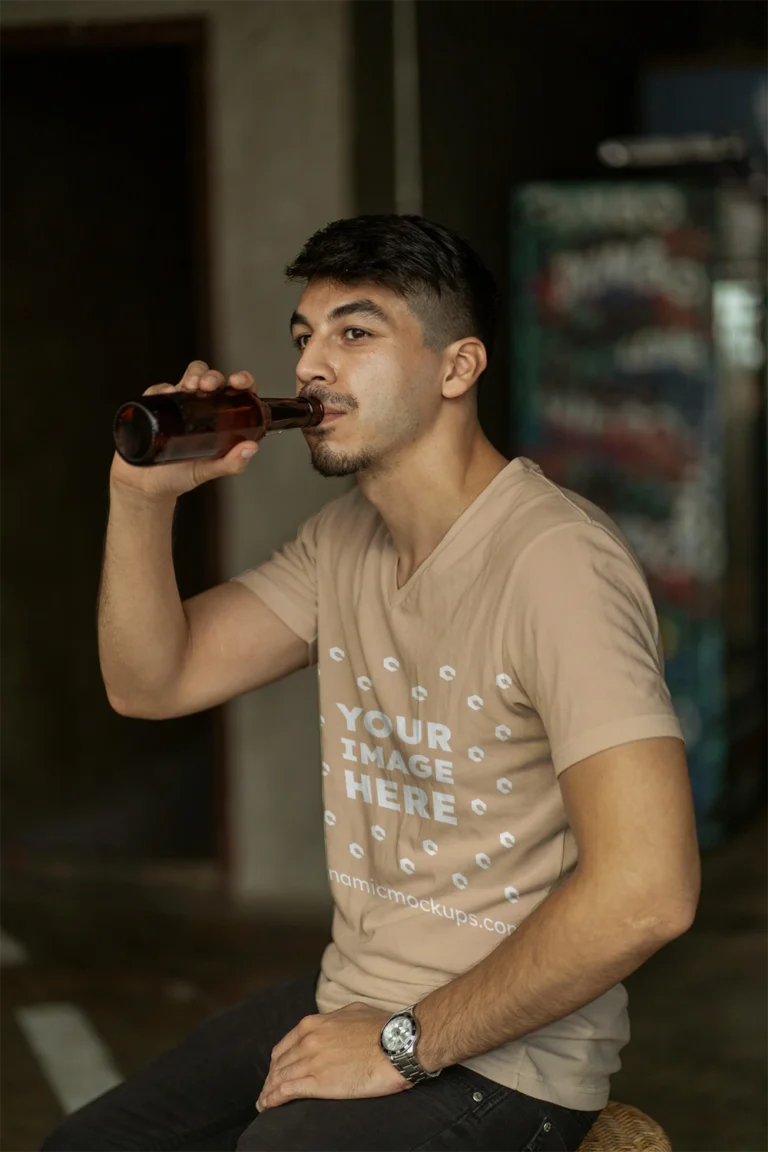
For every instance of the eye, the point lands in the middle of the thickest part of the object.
(298, 341)
(355, 334)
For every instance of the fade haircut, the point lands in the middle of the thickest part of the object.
(441, 278)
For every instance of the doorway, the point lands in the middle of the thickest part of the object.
(104, 274)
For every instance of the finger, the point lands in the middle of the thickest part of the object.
(194, 370)
(242, 380)
(296, 1065)
(298, 1089)
(290, 1069)
(211, 380)
(233, 463)
(288, 1041)
(156, 389)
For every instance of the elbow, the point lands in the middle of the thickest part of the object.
(124, 709)
(679, 920)
(135, 710)
(669, 917)
(653, 915)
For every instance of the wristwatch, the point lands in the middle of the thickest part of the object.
(398, 1041)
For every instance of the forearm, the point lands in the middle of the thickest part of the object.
(142, 628)
(581, 941)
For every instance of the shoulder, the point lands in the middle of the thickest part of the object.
(548, 524)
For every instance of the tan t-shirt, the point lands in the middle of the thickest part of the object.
(525, 642)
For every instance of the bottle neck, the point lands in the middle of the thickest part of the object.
(304, 412)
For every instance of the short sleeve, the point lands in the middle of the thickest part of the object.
(582, 639)
(287, 583)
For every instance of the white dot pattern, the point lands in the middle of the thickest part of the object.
(476, 753)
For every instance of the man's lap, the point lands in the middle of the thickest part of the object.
(202, 1095)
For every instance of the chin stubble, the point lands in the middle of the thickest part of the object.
(329, 463)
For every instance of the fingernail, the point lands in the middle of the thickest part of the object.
(247, 452)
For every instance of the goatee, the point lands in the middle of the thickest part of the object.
(331, 463)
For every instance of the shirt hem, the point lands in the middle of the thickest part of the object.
(280, 604)
(612, 735)
(583, 1100)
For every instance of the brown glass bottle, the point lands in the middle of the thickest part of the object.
(173, 426)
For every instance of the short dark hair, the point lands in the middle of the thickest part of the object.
(439, 275)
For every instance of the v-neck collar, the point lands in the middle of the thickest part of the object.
(397, 595)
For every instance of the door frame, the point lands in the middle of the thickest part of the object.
(193, 34)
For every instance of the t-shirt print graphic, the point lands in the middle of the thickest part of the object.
(392, 767)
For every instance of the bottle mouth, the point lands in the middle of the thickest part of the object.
(135, 430)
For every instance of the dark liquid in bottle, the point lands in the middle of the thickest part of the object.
(174, 426)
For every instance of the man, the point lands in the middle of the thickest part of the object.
(508, 816)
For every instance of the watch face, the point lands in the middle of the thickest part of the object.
(398, 1033)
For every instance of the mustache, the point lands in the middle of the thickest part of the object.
(327, 401)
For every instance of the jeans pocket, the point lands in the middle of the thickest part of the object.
(546, 1139)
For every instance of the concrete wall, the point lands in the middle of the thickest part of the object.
(280, 143)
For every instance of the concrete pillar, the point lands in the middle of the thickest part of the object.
(280, 167)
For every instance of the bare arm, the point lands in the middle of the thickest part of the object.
(636, 887)
(142, 628)
(161, 658)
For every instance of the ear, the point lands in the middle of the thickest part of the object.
(467, 359)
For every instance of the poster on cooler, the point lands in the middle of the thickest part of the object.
(615, 396)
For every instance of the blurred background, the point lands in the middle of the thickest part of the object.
(162, 160)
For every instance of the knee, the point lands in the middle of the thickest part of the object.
(247, 1141)
(72, 1135)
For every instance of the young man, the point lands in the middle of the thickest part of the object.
(508, 816)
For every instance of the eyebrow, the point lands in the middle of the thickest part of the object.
(363, 307)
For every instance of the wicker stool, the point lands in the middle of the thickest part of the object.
(622, 1128)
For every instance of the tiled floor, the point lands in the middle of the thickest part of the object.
(146, 963)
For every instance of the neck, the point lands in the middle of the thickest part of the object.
(423, 492)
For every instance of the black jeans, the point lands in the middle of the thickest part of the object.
(201, 1097)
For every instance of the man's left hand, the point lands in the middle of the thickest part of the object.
(334, 1056)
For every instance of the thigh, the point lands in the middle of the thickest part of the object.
(202, 1091)
(458, 1110)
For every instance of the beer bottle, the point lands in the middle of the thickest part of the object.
(173, 426)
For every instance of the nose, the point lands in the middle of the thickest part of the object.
(314, 366)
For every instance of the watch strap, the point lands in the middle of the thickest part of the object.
(407, 1064)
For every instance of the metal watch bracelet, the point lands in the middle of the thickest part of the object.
(409, 1067)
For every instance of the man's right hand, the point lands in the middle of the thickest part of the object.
(173, 480)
